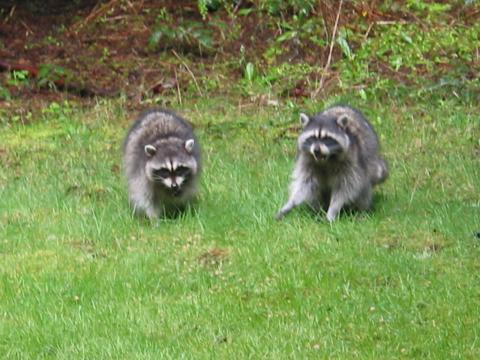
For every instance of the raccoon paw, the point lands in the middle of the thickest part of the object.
(331, 218)
(283, 212)
(332, 214)
(152, 214)
(280, 215)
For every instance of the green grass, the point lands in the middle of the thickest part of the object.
(81, 278)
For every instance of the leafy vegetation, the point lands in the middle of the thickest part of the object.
(18, 78)
(50, 74)
(187, 36)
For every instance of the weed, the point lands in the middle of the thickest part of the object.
(50, 40)
(278, 7)
(49, 74)
(297, 33)
(19, 78)
(186, 37)
(4, 93)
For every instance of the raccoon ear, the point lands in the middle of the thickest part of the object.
(189, 145)
(304, 119)
(150, 150)
(343, 121)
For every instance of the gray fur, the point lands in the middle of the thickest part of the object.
(338, 162)
(162, 163)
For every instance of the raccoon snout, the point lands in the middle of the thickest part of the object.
(317, 153)
(176, 191)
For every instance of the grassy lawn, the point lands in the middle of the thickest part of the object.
(81, 278)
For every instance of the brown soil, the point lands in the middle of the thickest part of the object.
(101, 48)
(93, 48)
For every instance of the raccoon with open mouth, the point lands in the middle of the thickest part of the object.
(162, 163)
(338, 162)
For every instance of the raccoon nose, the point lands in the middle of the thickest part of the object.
(317, 152)
(174, 186)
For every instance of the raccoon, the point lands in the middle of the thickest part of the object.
(162, 163)
(338, 162)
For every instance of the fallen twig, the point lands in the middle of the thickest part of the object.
(179, 94)
(95, 13)
(29, 30)
(329, 59)
(237, 7)
(189, 71)
(10, 14)
(391, 22)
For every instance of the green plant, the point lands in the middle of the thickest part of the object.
(4, 93)
(49, 74)
(50, 40)
(431, 10)
(203, 7)
(164, 15)
(297, 33)
(206, 6)
(105, 54)
(58, 111)
(281, 79)
(249, 72)
(408, 53)
(185, 37)
(301, 8)
(19, 78)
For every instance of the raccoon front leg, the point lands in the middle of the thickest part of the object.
(152, 213)
(301, 191)
(291, 203)
(142, 198)
(337, 201)
(342, 197)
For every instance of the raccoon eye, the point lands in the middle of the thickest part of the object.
(162, 172)
(310, 140)
(329, 142)
(182, 171)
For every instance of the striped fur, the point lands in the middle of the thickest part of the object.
(162, 163)
(338, 163)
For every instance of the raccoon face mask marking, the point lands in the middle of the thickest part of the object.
(321, 149)
(171, 176)
(322, 139)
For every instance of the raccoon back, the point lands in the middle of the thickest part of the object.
(157, 123)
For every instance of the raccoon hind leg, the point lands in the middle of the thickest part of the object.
(348, 194)
(363, 201)
(337, 201)
(378, 171)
